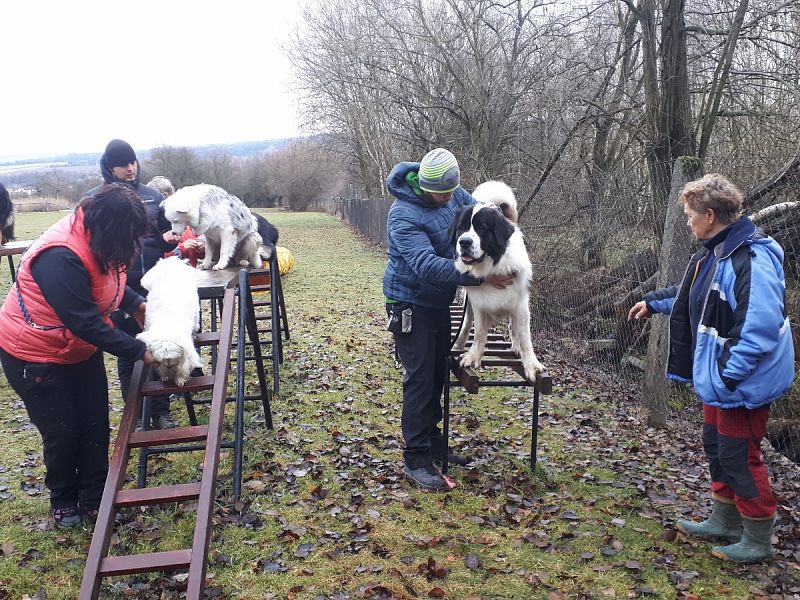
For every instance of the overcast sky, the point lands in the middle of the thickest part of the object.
(77, 73)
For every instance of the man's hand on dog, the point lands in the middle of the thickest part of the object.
(500, 281)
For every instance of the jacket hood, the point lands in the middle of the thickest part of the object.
(108, 177)
(400, 189)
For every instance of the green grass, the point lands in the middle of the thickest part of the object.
(577, 529)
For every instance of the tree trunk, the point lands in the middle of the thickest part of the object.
(675, 252)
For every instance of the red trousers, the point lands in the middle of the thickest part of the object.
(732, 441)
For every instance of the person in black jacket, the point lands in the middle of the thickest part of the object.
(119, 164)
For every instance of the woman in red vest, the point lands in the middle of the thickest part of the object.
(54, 327)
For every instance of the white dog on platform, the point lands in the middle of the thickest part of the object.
(488, 242)
(229, 226)
(171, 319)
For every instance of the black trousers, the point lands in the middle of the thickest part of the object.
(159, 405)
(68, 404)
(424, 353)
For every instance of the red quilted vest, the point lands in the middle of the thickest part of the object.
(41, 337)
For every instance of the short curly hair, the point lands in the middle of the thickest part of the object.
(162, 185)
(716, 192)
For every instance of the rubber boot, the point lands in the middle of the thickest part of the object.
(755, 545)
(725, 522)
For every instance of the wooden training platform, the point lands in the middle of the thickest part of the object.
(498, 354)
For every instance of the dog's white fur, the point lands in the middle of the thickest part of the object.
(228, 225)
(171, 319)
(488, 303)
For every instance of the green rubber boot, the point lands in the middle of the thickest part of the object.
(755, 545)
(725, 522)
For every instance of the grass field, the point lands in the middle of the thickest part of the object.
(326, 512)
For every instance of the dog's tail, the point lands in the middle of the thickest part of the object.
(499, 194)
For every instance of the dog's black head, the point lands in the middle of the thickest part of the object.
(6, 216)
(479, 231)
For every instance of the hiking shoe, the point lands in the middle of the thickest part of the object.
(427, 477)
(67, 517)
(164, 422)
(455, 459)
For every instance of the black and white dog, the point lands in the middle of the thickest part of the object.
(488, 242)
(234, 234)
(7, 215)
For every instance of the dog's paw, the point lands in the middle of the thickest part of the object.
(471, 359)
(532, 369)
(244, 263)
(219, 267)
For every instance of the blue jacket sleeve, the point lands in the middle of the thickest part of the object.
(661, 301)
(417, 250)
(757, 297)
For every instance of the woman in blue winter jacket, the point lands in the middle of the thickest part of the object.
(730, 337)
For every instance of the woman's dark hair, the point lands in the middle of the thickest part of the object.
(116, 220)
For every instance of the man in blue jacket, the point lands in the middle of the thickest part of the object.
(119, 164)
(419, 283)
(730, 338)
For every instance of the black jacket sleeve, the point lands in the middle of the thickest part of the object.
(66, 286)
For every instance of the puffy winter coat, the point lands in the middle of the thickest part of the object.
(743, 354)
(153, 244)
(41, 336)
(420, 268)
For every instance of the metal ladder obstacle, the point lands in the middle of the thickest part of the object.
(498, 354)
(98, 563)
(269, 281)
(246, 329)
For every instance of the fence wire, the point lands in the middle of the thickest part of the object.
(595, 248)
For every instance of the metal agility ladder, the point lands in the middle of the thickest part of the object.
(498, 354)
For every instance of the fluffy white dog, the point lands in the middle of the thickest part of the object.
(229, 226)
(172, 317)
(488, 241)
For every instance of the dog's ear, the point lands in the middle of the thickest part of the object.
(452, 232)
(502, 232)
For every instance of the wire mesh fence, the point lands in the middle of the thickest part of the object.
(595, 242)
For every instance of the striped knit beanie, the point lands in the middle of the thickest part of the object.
(439, 172)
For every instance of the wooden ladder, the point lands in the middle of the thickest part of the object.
(98, 563)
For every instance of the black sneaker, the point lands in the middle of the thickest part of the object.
(67, 517)
(455, 459)
(427, 477)
(164, 422)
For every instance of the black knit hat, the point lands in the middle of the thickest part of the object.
(119, 154)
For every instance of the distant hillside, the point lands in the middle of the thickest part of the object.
(242, 149)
